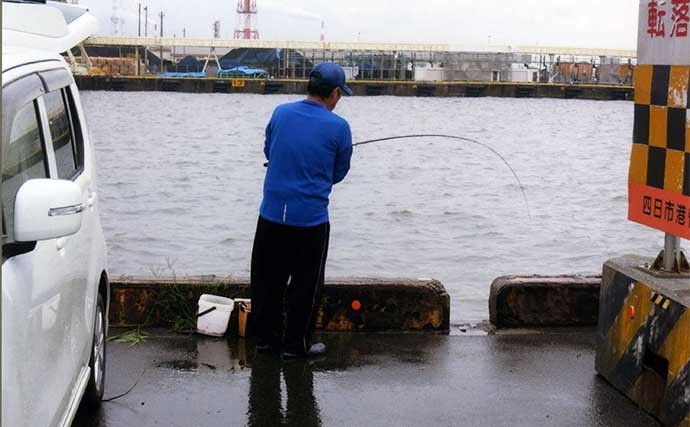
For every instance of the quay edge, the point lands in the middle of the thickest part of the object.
(402, 305)
(359, 87)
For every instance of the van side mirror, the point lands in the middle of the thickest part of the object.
(47, 209)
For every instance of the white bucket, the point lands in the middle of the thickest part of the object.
(214, 323)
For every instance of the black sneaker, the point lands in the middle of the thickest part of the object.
(315, 350)
(263, 348)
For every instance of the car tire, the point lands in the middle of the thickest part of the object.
(94, 390)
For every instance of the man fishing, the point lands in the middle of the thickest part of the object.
(308, 148)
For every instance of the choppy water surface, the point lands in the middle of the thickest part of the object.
(180, 178)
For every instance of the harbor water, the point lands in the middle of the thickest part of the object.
(180, 179)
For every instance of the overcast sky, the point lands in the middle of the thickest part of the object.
(476, 23)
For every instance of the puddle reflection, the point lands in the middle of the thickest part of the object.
(266, 398)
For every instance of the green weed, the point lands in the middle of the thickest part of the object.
(132, 337)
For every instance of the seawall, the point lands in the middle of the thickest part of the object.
(352, 305)
(361, 87)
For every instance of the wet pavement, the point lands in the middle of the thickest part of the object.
(524, 378)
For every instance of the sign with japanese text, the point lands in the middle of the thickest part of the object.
(659, 180)
(663, 32)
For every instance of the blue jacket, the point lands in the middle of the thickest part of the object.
(308, 149)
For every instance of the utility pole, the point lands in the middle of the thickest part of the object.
(137, 68)
(672, 252)
(146, 33)
(161, 58)
(184, 36)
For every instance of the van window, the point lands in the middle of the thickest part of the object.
(23, 159)
(76, 128)
(61, 133)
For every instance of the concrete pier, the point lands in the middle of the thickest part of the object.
(361, 87)
(538, 379)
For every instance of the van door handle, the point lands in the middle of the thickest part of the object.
(61, 243)
(91, 200)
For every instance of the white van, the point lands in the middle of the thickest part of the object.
(55, 291)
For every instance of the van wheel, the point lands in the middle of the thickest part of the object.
(94, 389)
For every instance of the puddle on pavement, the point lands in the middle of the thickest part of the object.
(216, 355)
(180, 365)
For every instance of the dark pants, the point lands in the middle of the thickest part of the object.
(281, 253)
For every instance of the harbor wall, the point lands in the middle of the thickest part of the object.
(374, 305)
(360, 87)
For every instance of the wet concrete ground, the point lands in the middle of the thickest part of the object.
(528, 379)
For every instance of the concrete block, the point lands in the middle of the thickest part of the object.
(384, 305)
(643, 338)
(544, 301)
(367, 305)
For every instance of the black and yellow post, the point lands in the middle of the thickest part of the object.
(659, 180)
(643, 335)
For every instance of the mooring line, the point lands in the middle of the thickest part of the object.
(460, 138)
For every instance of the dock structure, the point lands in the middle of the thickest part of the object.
(382, 61)
(359, 88)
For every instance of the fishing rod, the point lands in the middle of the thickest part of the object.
(456, 138)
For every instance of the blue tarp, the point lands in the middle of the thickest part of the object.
(243, 71)
(174, 74)
(246, 70)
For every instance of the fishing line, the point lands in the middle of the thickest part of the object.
(111, 399)
(457, 138)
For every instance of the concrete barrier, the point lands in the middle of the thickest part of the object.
(643, 337)
(367, 305)
(544, 301)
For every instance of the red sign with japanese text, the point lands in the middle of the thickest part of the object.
(659, 209)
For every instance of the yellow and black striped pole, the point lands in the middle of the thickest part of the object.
(644, 316)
